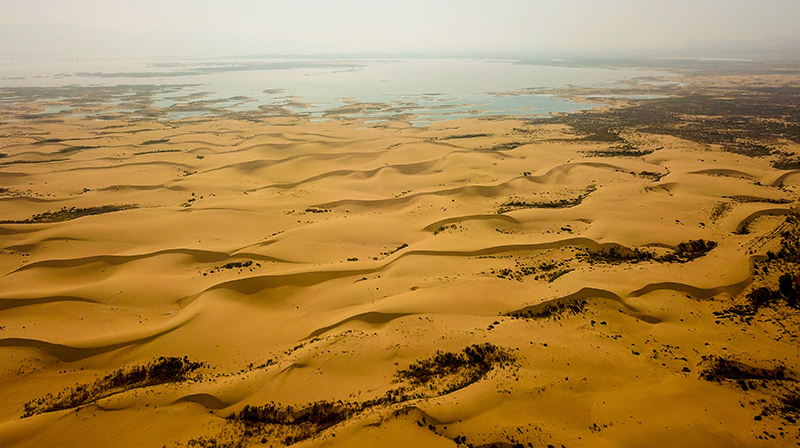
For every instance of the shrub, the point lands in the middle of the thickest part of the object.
(160, 371)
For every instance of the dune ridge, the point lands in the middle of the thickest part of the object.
(14, 303)
(469, 190)
(200, 256)
(370, 317)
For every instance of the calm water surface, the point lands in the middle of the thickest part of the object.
(420, 90)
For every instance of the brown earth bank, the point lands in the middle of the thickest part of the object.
(621, 277)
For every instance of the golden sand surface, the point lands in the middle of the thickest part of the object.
(484, 282)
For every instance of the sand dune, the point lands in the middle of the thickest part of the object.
(757, 214)
(66, 353)
(725, 172)
(371, 317)
(459, 219)
(14, 303)
(200, 256)
(320, 262)
(782, 178)
(699, 293)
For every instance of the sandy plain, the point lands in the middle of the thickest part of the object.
(484, 282)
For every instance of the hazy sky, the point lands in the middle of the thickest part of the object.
(66, 28)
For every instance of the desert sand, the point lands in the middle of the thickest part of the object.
(285, 262)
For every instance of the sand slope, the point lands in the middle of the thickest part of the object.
(361, 250)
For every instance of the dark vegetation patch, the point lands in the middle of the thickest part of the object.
(787, 162)
(160, 371)
(603, 135)
(652, 175)
(68, 214)
(621, 151)
(398, 249)
(461, 136)
(787, 407)
(617, 254)
(156, 151)
(547, 270)
(215, 442)
(721, 369)
(684, 252)
(438, 375)
(552, 276)
(300, 423)
(750, 149)
(447, 227)
(237, 265)
(468, 366)
(735, 118)
(518, 204)
(790, 242)
(749, 199)
(42, 118)
(607, 135)
(156, 142)
(556, 309)
(503, 146)
(688, 251)
(317, 210)
(719, 210)
(776, 381)
(234, 265)
(71, 149)
(783, 265)
(30, 162)
(765, 297)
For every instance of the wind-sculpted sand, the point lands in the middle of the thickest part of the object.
(473, 283)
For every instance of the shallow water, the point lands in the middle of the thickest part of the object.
(422, 90)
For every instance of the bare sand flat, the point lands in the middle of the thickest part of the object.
(498, 282)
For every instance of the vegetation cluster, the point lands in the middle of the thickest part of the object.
(503, 146)
(68, 214)
(517, 204)
(682, 253)
(461, 136)
(746, 377)
(721, 369)
(160, 371)
(556, 309)
(546, 270)
(155, 142)
(441, 374)
(744, 119)
(471, 364)
(784, 265)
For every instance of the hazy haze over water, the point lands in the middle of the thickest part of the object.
(92, 28)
